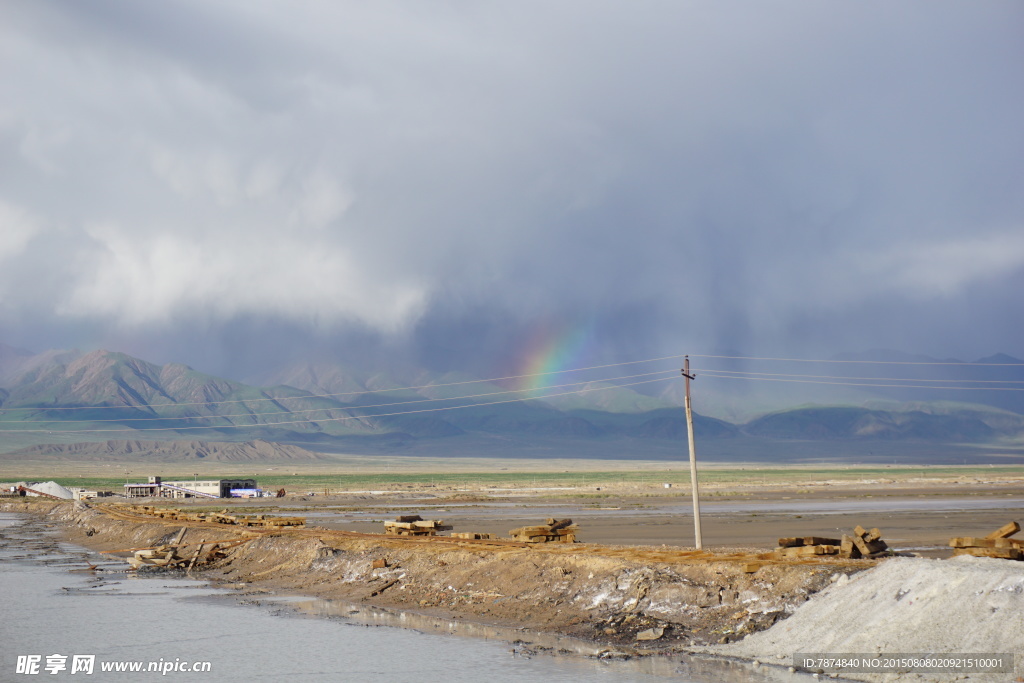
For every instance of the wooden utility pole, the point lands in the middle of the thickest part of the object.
(693, 456)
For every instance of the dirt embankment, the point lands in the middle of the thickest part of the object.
(607, 594)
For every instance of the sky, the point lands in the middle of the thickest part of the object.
(460, 185)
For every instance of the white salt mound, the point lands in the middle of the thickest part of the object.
(52, 488)
(906, 605)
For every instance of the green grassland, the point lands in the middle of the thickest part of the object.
(678, 477)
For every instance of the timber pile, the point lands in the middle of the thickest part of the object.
(996, 544)
(221, 517)
(552, 531)
(472, 535)
(862, 544)
(174, 555)
(414, 525)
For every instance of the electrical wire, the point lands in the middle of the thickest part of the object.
(858, 384)
(337, 419)
(744, 373)
(349, 408)
(368, 391)
(877, 362)
(713, 373)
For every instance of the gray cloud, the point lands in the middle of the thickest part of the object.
(445, 181)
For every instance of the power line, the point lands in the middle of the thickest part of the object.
(349, 408)
(744, 373)
(357, 393)
(339, 419)
(857, 384)
(877, 362)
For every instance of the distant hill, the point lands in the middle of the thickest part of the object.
(826, 423)
(168, 451)
(66, 398)
(851, 379)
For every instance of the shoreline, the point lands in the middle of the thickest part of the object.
(598, 596)
(604, 595)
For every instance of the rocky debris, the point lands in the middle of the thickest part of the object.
(651, 633)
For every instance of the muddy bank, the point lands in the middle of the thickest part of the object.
(625, 598)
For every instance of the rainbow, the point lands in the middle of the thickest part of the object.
(554, 348)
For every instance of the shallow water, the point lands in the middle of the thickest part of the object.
(52, 610)
(490, 510)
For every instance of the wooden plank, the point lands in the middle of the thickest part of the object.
(969, 542)
(860, 544)
(808, 550)
(818, 540)
(1005, 531)
(471, 535)
(873, 535)
(408, 518)
(791, 542)
(195, 558)
(530, 531)
(1001, 553)
(383, 588)
(848, 549)
(859, 531)
(877, 546)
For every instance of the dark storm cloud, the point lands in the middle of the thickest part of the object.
(216, 182)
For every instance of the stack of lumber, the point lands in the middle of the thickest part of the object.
(863, 543)
(179, 555)
(414, 525)
(867, 544)
(552, 531)
(807, 546)
(221, 517)
(161, 556)
(472, 535)
(996, 544)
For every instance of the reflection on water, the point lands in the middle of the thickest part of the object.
(52, 609)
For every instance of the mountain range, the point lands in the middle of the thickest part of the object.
(67, 397)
